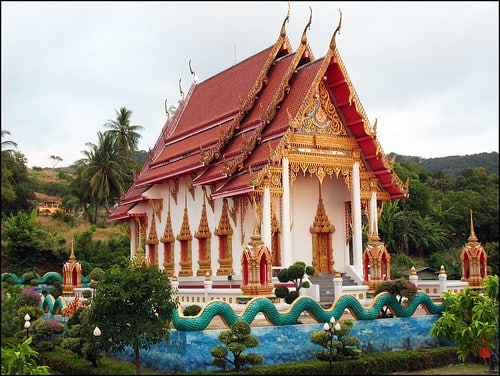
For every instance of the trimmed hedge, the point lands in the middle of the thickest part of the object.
(382, 363)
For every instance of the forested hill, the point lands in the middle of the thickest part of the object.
(455, 163)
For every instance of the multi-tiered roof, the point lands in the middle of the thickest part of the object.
(234, 124)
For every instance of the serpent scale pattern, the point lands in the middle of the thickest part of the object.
(301, 304)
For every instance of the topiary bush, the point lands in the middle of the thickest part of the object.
(341, 345)
(402, 289)
(191, 310)
(295, 273)
(236, 340)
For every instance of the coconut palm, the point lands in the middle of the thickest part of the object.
(7, 143)
(126, 134)
(104, 168)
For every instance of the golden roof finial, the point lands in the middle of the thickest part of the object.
(308, 26)
(333, 44)
(287, 19)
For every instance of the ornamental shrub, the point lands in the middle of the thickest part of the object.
(402, 289)
(28, 297)
(341, 345)
(236, 341)
(295, 273)
(191, 310)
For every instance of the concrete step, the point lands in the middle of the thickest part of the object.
(326, 288)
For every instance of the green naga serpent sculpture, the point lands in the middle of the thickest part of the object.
(301, 304)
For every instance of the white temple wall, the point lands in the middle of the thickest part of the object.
(304, 198)
(335, 193)
(304, 202)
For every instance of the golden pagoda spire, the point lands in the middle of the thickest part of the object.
(72, 257)
(472, 236)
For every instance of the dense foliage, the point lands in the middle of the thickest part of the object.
(470, 319)
(133, 307)
(429, 228)
(236, 341)
(296, 274)
(336, 342)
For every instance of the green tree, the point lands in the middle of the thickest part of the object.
(236, 341)
(104, 169)
(335, 339)
(470, 319)
(133, 307)
(26, 245)
(402, 289)
(295, 273)
(17, 193)
(20, 359)
(127, 135)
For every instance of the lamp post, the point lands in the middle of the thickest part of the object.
(27, 324)
(331, 327)
(97, 334)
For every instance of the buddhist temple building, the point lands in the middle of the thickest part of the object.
(282, 135)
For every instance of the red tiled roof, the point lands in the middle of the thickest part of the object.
(236, 115)
(221, 94)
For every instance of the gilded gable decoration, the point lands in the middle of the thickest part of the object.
(311, 148)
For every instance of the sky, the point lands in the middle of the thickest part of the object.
(427, 71)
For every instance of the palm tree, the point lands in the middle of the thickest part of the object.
(104, 168)
(126, 134)
(7, 143)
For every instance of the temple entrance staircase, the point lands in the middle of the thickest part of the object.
(326, 290)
